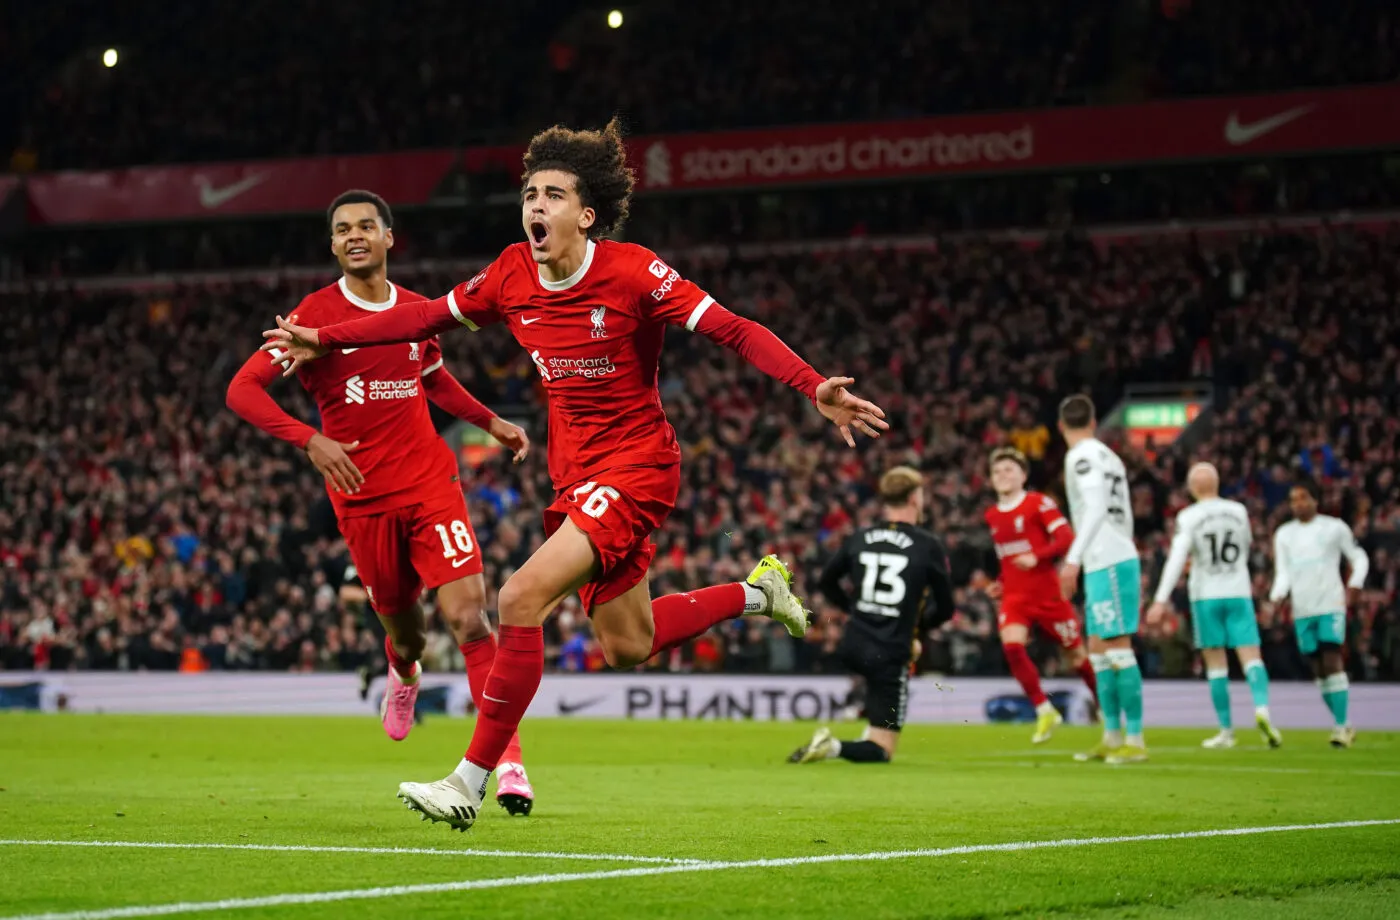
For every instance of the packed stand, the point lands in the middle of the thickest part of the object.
(1206, 47)
(326, 78)
(1195, 192)
(143, 526)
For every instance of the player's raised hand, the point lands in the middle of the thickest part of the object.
(299, 345)
(332, 460)
(847, 411)
(510, 436)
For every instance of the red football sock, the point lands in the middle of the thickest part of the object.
(481, 655)
(1086, 673)
(507, 694)
(1023, 669)
(679, 617)
(405, 668)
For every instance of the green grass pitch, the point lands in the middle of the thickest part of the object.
(685, 819)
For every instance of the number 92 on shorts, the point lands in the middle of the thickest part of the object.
(618, 509)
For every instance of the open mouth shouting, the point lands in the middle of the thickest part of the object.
(539, 234)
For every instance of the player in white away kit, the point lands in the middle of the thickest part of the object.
(1214, 534)
(1308, 553)
(1096, 484)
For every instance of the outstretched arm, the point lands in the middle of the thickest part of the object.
(248, 398)
(765, 351)
(471, 304)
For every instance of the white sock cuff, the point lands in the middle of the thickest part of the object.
(1099, 663)
(1335, 682)
(1120, 659)
(755, 601)
(1217, 673)
(1256, 663)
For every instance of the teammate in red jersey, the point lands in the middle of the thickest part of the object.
(592, 314)
(392, 480)
(1030, 533)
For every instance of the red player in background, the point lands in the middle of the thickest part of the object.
(1030, 533)
(392, 480)
(592, 314)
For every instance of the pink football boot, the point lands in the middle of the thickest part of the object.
(396, 711)
(513, 790)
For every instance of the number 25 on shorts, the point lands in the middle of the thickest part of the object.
(596, 504)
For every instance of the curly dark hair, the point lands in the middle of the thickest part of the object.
(597, 160)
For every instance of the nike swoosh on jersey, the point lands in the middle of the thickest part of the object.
(346, 351)
(1237, 134)
(533, 319)
(458, 563)
(211, 197)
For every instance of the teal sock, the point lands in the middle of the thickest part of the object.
(1128, 676)
(1109, 706)
(1220, 695)
(1258, 678)
(1336, 692)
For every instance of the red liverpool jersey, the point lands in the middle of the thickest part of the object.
(1032, 525)
(374, 395)
(595, 338)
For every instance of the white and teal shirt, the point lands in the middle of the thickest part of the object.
(1215, 535)
(1096, 483)
(1308, 562)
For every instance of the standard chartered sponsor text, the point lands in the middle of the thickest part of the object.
(869, 154)
(580, 367)
(393, 389)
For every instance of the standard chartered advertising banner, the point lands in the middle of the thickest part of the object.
(646, 696)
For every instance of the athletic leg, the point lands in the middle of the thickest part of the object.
(1218, 679)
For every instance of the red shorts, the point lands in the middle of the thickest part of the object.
(1056, 619)
(399, 552)
(618, 509)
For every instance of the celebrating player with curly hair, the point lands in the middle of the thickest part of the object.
(592, 314)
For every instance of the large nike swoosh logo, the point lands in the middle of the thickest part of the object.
(346, 351)
(458, 563)
(212, 197)
(567, 709)
(1237, 135)
(533, 319)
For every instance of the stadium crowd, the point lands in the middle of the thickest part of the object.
(1244, 189)
(305, 87)
(143, 526)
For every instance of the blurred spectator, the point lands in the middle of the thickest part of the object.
(142, 527)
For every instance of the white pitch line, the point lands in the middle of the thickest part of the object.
(1208, 767)
(394, 891)
(390, 851)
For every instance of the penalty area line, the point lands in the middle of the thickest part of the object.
(395, 891)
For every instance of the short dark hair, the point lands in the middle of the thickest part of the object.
(598, 162)
(1012, 454)
(1077, 411)
(360, 196)
(1310, 486)
(898, 484)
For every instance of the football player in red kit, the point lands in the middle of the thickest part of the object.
(1030, 534)
(592, 313)
(392, 480)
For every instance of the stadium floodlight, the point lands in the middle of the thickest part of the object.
(615, 19)
(109, 57)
